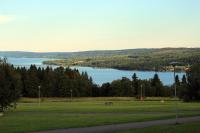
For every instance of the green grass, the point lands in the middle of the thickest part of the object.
(181, 128)
(57, 113)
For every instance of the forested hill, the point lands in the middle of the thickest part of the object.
(62, 55)
(127, 52)
(130, 59)
(74, 54)
(134, 59)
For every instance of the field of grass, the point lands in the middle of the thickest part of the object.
(182, 128)
(54, 113)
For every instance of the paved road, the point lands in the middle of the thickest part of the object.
(118, 127)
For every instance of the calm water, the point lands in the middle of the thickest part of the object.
(100, 75)
(27, 61)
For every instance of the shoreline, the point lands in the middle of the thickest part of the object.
(121, 69)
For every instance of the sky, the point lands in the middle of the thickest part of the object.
(81, 25)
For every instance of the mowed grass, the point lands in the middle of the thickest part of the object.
(181, 128)
(55, 113)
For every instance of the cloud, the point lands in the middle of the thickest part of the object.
(6, 18)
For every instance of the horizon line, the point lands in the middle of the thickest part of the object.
(94, 50)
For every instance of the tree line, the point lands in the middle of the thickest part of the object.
(58, 82)
(61, 82)
(135, 59)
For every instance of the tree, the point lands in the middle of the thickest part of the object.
(178, 85)
(126, 87)
(135, 83)
(48, 83)
(146, 86)
(157, 86)
(106, 90)
(183, 88)
(193, 83)
(177, 80)
(32, 82)
(10, 85)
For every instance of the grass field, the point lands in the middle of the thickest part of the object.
(54, 113)
(182, 128)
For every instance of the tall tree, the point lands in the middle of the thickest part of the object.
(10, 85)
(157, 86)
(135, 83)
(193, 78)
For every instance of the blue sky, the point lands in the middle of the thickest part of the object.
(78, 25)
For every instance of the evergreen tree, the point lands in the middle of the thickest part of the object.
(177, 80)
(183, 88)
(135, 84)
(193, 78)
(178, 85)
(157, 86)
(10, 85)
(32, 82)
(106, 90)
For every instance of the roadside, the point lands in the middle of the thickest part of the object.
(193, 127)
(120, 127)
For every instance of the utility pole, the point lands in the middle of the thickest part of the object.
(176, 108)
(39, 95)
(175, 91)
(15, 103)
(71, 92)
(141, 95)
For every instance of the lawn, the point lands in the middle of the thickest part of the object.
(181, 128)
(56, 113)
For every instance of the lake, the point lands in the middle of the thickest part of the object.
(101, 75)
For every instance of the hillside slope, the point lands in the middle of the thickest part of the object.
(133, 59)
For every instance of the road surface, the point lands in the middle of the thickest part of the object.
(125, 126)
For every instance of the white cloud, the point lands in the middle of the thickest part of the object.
(6, 18)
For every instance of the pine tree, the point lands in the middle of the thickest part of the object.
(157, 86)
(10, 86)
(135, 84)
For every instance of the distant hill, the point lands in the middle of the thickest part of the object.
(133, 59)
(128, 59)
(73, 54)
(97, 53)
(20, 54)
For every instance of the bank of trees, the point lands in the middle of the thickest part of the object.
(189, 87)
(60, 82)
(136, 87)
(26, 82)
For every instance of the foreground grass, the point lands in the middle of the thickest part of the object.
(61, 113)
(182, 128)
